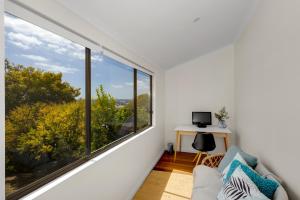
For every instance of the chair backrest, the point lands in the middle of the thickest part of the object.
(204, 142)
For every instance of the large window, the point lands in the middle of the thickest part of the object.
(64, 104)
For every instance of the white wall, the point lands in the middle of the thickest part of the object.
(117, 174)
(203, 84)
(268, 89)
(2, 105)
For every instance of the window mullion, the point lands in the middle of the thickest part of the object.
(151, 101)
(135, 99)
(88, 100)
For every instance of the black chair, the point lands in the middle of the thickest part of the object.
(203, 142)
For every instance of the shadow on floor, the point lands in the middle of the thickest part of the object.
(161, 185)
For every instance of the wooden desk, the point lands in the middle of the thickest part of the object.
(192, 130)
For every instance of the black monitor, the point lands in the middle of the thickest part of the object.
(201, 119)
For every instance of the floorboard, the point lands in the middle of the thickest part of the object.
(161, 185)
(184, 162)
(169, 180)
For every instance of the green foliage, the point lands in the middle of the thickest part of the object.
(54, 132)
(143, 110)
(45, 124)
(59, 132)
(19, 122)
(222, 115)
(107, 119)
(27, 85)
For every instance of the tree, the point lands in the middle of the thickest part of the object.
(19, 122)
(60, 132)
(143, 110)
(27, 85)
(54, 133)
(108, 119)
(103, 118)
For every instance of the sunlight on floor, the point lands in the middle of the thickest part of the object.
(160, 185)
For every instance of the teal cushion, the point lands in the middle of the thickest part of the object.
(251, 160)
(265, 186)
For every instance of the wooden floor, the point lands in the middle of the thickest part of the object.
(182, 163)
(161, 185)
(169, 180)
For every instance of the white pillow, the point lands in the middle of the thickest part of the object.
(236, 157)
(240, 186)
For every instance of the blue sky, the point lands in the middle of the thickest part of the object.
(31, 45)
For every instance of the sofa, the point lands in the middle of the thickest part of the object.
(208, 181)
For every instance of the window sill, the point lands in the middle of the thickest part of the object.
(82, 167)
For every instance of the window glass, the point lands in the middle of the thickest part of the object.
(112, 100)
(143, 100)
(45, 108)
(44, 94)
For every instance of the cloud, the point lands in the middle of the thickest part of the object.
(56, 68)
(21, 45)
(129, 83)
(143, 84)
(35, 58)
(53, 46)
(78, 55)
(117, 86)
(57, 49)
(22, 40)
(96, 58)
(25, 35)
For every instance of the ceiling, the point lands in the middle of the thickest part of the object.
(165, 31)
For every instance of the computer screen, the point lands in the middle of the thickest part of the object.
(201, 118)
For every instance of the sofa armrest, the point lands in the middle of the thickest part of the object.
(213, 161)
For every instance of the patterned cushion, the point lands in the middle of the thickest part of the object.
(240, 186)
(280, 193)
(236, 157)
(266, 186)
(262, 170)
(251, 160)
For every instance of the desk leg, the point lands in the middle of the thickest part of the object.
(226, 141)
(177, 144)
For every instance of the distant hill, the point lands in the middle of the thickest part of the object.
(121, 102)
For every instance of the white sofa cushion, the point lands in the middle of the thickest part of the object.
(207, 183)
(207, 193)
(205, 176)
(280, 194)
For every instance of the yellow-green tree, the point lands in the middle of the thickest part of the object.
(55, 133)
(143, 110)
(28, 85)
(107, 119)
(44, 122)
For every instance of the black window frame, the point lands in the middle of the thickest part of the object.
(89, 154)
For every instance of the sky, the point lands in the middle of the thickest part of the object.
(30, 45)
